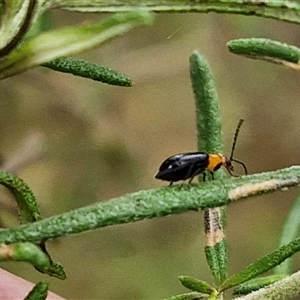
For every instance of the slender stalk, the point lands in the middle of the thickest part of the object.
(263, 264)
(290, 231)
(288, 11)
(39, 292)
(209, 141)
(152, 203)
(287, 288)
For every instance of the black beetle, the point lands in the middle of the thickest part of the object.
(185, 166)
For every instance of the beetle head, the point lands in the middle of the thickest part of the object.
(226, 162)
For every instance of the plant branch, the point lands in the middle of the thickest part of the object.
(39, 292)
(288, 11)
(147, 204)
(287, 288)
(290, 231)
(209, 141)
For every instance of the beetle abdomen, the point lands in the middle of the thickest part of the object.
(183, 166)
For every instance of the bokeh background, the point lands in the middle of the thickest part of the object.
(100, 142)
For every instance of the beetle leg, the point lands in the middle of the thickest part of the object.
(171, 183)
(212, 175)
(203, 176)
(232, 174)
(193, 176)
(198, 171)
(191, 179)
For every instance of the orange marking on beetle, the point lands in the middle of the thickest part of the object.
(214, 160)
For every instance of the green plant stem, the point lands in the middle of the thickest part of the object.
(147, 204)
(281, 10)
(209, 141)
(28, 212)
(39, 292)
(189, 296)
(287, 288)
(262, 265)
(26, 201)
(290, 231)
(256, 284)
(33, 254)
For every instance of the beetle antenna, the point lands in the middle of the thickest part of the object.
(234, 143)
(235, 137)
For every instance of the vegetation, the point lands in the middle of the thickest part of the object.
(29, 39)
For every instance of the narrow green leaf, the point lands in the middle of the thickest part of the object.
(197, 285)
(256, 284)
(262, 265)
(68, 41)
(189, 296)
(31, 253)
(83, 68)
(222, 251)
(26, 201)
(279, 9)
(265, 49)
(15, 21)
(39, 292)
(207, 105)
(28, 212)
(290, 231)
(287, 288)
(42, 24)
(217, 260)
(211, 256)
(209, 141)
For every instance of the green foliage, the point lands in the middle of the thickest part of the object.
(265, 49)
(153, 203)
(197, 285)
(39, 292)
(256, 284)
(24, 45)
(83, 68)
(290, 232)
(67, 41)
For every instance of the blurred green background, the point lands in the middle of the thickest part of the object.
(102, 141)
